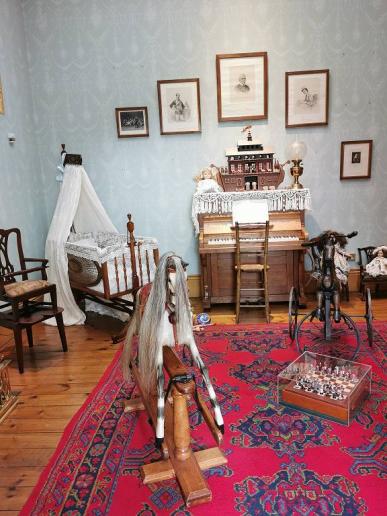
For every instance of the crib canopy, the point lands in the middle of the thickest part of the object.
(79, 205)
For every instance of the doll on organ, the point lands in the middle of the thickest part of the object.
(206, 181)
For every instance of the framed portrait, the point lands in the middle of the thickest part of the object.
(355, 160)
(306, 98)
(242, 86)
(132, 122)
(179, 106)
(1, 100)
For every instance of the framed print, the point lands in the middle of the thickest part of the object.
(179, 106)
(132, 122)
(1, 100)
(355, 160)
(242, 86)
(306, 98)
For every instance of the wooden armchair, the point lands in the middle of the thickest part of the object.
(366, 281)
(21, 298)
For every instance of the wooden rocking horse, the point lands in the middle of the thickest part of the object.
(163, 321)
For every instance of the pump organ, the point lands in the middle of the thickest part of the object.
(286, 256)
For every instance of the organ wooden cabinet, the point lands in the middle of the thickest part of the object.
(217, 248)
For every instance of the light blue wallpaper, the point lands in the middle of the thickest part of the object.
(89, 56)
(22, 199)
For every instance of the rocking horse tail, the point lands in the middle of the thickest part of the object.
(160, 407)
(206, 377)
(126, 356)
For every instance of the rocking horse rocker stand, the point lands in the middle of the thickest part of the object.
(162, 321)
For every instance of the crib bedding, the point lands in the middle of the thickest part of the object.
(110, 256)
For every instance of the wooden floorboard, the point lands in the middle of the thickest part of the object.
(55, 385)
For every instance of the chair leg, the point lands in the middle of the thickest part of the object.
(17, 334)
(238, 297)
(54, 298)
(30, 336)
(267, 306)
(59, 322)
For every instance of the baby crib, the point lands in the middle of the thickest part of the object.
(109, 267)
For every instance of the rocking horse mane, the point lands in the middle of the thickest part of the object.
(149, 343)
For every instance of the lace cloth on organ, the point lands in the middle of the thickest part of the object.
(278, 200)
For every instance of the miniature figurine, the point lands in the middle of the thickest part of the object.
(207, 180)
(378, 266)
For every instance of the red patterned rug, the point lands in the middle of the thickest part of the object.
(280, 461)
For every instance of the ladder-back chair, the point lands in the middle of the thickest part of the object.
(21, 298)
(251, 256)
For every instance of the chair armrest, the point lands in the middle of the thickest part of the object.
(44, 261)
(24, 271)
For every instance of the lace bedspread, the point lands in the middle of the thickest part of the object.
(221, 203)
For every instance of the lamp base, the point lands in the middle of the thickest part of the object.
(296, 171)
(296, 186)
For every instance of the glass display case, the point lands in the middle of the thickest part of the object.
(326, 386)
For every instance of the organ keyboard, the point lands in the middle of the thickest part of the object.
(217, 247)
(231, 241)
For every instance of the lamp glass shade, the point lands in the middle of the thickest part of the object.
(296, 151)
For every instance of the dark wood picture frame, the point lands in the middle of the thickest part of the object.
(232, 79)
(356, 159)
(132, 122)
(306, 108)
(179, 106)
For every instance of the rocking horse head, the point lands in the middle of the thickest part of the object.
(167, 304)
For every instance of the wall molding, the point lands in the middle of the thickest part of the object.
(353, 281)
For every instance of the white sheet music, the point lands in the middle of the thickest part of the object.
(250, 211)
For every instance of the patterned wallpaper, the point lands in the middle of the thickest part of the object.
(87, 57)
(22, 199)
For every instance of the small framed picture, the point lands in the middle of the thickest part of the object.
(306, 98)
(356, 158)
(179, 106)
(242, 86)
(1, 100)
(132, 122)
